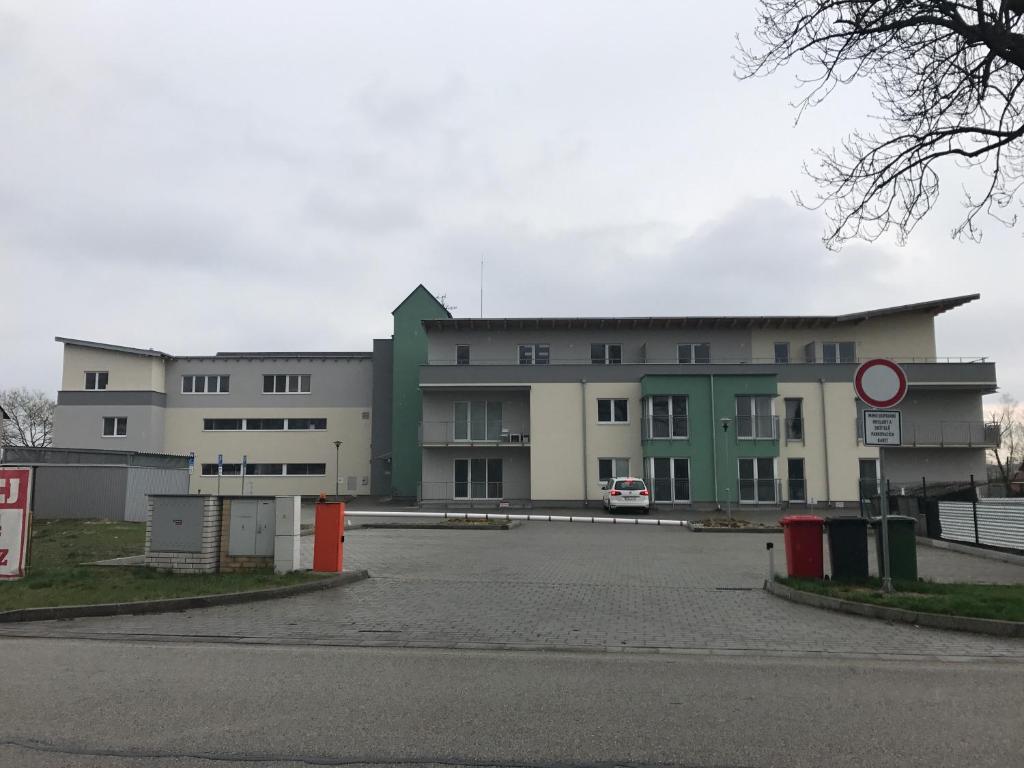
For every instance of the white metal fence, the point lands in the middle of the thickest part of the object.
(995, 522)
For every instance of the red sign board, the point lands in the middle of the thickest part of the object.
(880, 383)
(15, 483)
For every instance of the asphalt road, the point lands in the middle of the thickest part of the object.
(85, 703)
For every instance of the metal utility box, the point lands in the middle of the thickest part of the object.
(177, 524)
(252, 528)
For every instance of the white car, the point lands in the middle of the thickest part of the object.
(626, 493)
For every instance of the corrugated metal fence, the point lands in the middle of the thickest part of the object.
(1000, 522)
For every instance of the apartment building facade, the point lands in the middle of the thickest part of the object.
(710, 410)
(278, 413)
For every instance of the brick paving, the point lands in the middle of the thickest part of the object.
(562, 587)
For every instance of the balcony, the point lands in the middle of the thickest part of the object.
(446, 491)
(758, 490)
(664, 427)
(473, 434)
(945, 434)
(757, 427)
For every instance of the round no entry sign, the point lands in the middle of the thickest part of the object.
(880, 383)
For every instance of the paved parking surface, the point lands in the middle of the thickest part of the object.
(562, 587)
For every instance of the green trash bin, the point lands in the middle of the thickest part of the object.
(902, 547)
(848, 548)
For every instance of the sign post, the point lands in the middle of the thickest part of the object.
(245, 460)
(15, 486)
(882, 384)
(220, 470)
(191, 462)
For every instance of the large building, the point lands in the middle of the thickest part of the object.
(736, 409)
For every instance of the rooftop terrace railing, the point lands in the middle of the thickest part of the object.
(715, 360)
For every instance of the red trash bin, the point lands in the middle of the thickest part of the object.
(803, 534)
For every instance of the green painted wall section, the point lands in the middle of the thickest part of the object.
(409, 353)
(703, 450)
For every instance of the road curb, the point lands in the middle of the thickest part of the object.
(967, 549)
(922, 619)
(171, 604)
(698, 528)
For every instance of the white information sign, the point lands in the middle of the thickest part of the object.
(15, 483)
(883, 428)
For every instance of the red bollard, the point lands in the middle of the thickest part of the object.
(804, 556)
(329, 537)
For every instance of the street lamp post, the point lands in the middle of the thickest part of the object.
(337, 468)
(728, 500)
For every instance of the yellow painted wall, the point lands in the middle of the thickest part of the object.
(184, 433)
(612, 440)
(127, 372)
(556, 443)
(898, 336)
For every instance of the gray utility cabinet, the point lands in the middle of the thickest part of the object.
(177, 524)
(252, 528)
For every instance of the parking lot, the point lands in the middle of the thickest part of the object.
(559, 586)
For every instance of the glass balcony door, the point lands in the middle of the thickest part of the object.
(757, 481)
(478, 479)
(477, 420)
(670, 480)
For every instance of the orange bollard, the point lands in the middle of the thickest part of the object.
(329, 537)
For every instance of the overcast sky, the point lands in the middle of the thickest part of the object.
(196, 177)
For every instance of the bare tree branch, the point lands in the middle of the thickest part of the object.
(31, 418)
(947, 75)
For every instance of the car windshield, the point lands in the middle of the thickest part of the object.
(629, 485)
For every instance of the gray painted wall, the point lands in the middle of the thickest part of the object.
(79, 492)
(337, 383)
(142, 481)
(380, 430)
(438, 406)
(909, 465)
(81, 426)
(568, 346)
(439, 467)
(974, 377)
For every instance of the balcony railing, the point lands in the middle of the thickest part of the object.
(757, 427)
(945, 434)
(664, 427)
(473, 433)
(640, 359)
(794, 430)
(797, 490)
(758, 490)
(669, 490)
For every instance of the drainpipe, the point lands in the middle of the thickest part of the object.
(824, 430)
(714, 439)
(583, 399)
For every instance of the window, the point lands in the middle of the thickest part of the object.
(757, 480)
(670, 480)
(534, 354)
(478, 479)
(689, 354)
(839, 352)
(754, 418)
(192, 384)
(462, 354)
(306, 469)
(605, 354)
(300, 424)
(794, 419)
(115, 426)
(797, 481)
(96, 379)
(478, 420)
(613, 411)
(264, 469)
(219, 425)
(264, 425)
(286, 384)
(210, 470)
(781, 351)
(609, 468)
(666, 417)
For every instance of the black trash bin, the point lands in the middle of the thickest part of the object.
(848, 548)
(902, 547)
